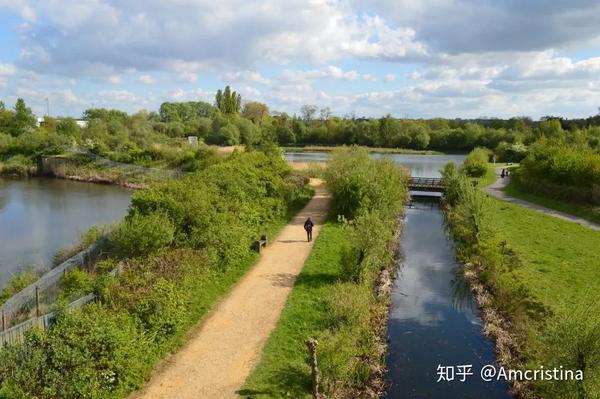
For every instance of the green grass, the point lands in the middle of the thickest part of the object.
(283, 370)
(588, 212)
(561, 266)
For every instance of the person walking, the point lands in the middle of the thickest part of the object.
(503, 173)
(308, 226)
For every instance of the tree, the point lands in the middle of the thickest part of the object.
(23, 119)
(255, 111)
(227, 101)
(308, 112)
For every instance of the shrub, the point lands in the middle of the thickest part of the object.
(140, 234)
(76, 283)
(476, 163)
(18, 165)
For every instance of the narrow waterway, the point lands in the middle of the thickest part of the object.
(39, 216)
(434, 320)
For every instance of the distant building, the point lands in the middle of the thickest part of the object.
(80, 122)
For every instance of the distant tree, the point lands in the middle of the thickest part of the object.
(68, 127)
(308, 112)
(227, 101)
(325, 114)
(23, 119)
(255, 111)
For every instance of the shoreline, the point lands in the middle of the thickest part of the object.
(375, 150)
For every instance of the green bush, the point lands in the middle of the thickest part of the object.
(476, 163)
(18, 165)
(140, 234)
(76, 283)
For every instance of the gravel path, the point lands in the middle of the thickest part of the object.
(222, 351)
(496, 190)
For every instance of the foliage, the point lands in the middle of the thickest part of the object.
(333, 299)
(227, 101)
(357, 182)
(140, 234)
(17, 283)
(107, 350)
(563, 171)
(476, 163)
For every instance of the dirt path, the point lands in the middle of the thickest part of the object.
(227, 344)
(496, 190)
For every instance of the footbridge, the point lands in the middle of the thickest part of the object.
(431, 184)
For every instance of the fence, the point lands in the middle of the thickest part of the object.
(38, 296)
(87, 166)
(16, 334)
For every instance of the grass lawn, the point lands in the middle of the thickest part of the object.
(561, 266)
(284, 370)
(514, 189)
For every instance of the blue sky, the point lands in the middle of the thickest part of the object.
(414, 58)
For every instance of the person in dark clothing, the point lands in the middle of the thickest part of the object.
(308, 226)
(503, 173)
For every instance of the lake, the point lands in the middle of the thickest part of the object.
(38, 216)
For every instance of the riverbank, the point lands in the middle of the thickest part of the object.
(376, 150)
(532, 285)
(183, 245)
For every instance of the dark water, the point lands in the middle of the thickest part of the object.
(39, 216)
(433, 320)
(419, 165)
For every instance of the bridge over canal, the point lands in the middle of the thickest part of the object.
(430, 184)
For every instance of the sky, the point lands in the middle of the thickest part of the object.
(407, 58)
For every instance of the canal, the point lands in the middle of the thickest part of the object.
(39, 216)
(434, 320)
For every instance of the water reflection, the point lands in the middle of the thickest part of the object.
(433, 319)
(419, 165)
(39, 216)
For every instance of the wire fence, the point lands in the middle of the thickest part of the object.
(39, 297)
(87, 166)
(16, 334)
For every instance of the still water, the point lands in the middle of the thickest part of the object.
(39, 216)
(419, 165)
(433, 320)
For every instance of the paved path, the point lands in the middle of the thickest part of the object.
(496, 190)
(227, 344)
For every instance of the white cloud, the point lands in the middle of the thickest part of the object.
(246, 76)
(146, 79)
(389, 77)
(76, 38)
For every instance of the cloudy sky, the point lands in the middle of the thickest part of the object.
(410, 58)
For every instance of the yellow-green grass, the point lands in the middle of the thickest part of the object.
(588, 212)
(283, 370)
(560, 262)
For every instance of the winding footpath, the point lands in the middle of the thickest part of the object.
(497, 190)
(226, 345)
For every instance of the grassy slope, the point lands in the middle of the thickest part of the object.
(283, 370)
(560, 260)
(514, 189)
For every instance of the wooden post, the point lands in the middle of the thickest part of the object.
(3, 321)
(312, 343)
(37, 301)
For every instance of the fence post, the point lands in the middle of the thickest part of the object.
(312, 343)
(38, 312)
(3, 321)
